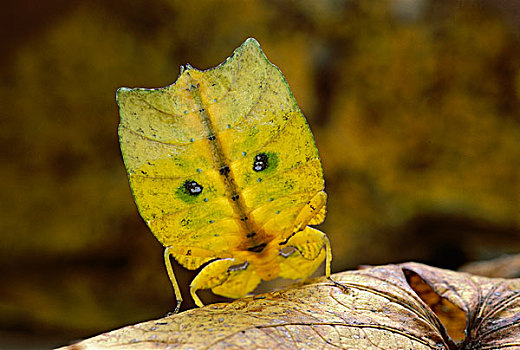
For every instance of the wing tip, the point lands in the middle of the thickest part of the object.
(251, 42)
(251, 45)
(121, 94)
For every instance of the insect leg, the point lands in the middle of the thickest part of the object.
(310, 244)
(230, 278)
(212, 275)
(328, 255)
(313, 213)
(169, 268)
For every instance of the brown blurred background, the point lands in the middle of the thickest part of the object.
(414, 105)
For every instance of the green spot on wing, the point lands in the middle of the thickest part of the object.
(272, 162)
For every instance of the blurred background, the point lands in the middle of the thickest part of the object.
(414, 105)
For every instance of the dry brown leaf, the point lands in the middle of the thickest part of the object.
(507, 266)
(406, 306)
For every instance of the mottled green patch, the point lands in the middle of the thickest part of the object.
(272, 164)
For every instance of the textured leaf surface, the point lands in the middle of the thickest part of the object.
(506, 266)
(407, 306)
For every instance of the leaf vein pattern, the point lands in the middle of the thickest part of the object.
(386, 294)
(497, 308)
(323, 338)
(358, 325)
(233, 82)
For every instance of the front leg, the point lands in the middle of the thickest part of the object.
(190, 258)
(310, 248)
(227, 277)
(313, 213)
(171, 275)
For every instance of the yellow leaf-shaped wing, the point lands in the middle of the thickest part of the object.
(222, 164)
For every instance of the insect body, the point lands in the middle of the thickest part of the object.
(225, 172)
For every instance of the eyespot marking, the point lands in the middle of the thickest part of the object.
(261, 162)
(193, 188)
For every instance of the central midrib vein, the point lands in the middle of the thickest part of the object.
(221, 162)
